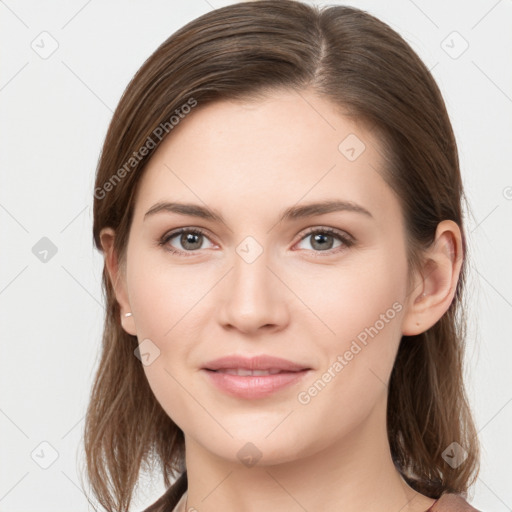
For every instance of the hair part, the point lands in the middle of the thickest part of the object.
(368, 71)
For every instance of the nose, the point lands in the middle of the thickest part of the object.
(253, 297)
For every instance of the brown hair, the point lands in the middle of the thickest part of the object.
(361, 65)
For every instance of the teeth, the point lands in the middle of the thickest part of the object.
(244, 372)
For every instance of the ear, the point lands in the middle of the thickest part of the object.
(117, 278)
(434, 290)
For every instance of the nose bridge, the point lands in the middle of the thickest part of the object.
(251, 276)
(253, 296)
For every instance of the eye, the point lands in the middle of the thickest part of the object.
(190, 239)
(322, 239)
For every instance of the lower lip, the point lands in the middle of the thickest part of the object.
(253, 386)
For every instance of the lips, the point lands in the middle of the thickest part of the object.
(254, 386)
(244, 372)
(254, 377)
(237, 365)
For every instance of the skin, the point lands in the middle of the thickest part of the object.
(250, 161)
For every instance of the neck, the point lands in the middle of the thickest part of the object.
(355, 474)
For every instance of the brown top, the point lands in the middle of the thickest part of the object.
(446, 503)
(451, 503)
(180, 506)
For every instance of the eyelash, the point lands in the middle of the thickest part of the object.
(347, 241)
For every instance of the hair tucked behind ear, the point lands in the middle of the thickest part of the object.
(361, 65)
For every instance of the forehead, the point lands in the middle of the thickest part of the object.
(245, 156)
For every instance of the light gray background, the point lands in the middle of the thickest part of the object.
(55, 112)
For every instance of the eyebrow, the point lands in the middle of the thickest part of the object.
(291, 213)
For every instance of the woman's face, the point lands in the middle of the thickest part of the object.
(257, 283)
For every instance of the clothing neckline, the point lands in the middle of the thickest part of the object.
(429, 509)
(180, 506)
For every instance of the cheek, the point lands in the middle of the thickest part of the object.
(356, 364)
(346, 300)
(163, 300)
(162, 295)
(362, 308)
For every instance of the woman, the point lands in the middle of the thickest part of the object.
(258, 368)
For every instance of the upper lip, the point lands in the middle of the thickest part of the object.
(261, 362)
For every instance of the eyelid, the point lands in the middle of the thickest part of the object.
(346, 239)
(163, 241)
(343, 235)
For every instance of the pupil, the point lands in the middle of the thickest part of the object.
(189, 239)
(321, 238)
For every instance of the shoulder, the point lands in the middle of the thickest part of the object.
(451, 502)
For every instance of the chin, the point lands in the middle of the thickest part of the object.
(254, 448)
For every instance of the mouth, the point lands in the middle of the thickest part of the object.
(244, 372)
(253, 384)
(252, 377)
(262, 364)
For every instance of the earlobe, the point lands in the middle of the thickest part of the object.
(436, 287)
(117, 279)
